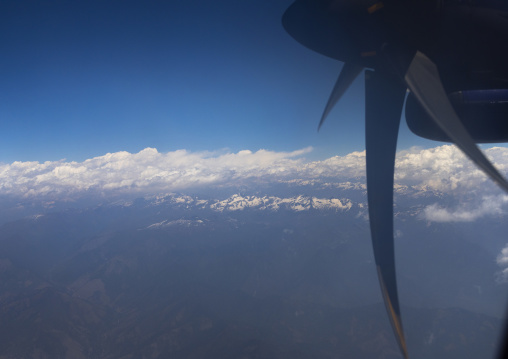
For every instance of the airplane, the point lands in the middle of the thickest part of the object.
(450, 55)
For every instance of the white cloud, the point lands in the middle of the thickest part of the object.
(489, 206)
(445, 168)
(442, 168)
(502, 261)
(144, 171)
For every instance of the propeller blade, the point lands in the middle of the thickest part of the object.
(348, 74)
(422, 78)
(384, 99)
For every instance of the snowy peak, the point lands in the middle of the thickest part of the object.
(178, 222)
(238, 202)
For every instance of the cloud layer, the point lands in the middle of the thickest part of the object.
(442, 168)
(144, 171)
(489, 206)
(502, 261)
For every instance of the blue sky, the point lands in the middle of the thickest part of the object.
(83, 78)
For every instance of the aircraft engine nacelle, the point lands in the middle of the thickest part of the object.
(484, 113)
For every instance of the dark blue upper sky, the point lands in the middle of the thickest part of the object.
(83, 78)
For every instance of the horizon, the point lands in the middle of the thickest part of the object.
(441, 170)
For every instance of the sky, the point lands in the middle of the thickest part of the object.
(80, 79)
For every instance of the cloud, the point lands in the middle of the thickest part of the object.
(502, 261)
(349, 166)
(144, 171)
(442, 168)
(489, 206)
(445, 168)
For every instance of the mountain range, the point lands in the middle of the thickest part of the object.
(243, 275)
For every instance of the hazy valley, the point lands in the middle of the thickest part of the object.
(242, 276)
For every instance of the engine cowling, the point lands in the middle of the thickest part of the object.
(484, 113)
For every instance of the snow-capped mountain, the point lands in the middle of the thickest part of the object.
(239, 202)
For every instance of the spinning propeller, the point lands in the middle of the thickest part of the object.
(395, 40)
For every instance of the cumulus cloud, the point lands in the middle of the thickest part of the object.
(146, 170)
(442, 168)
(445, 168)
(490, 205)
(502, 261)
(349, 166)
